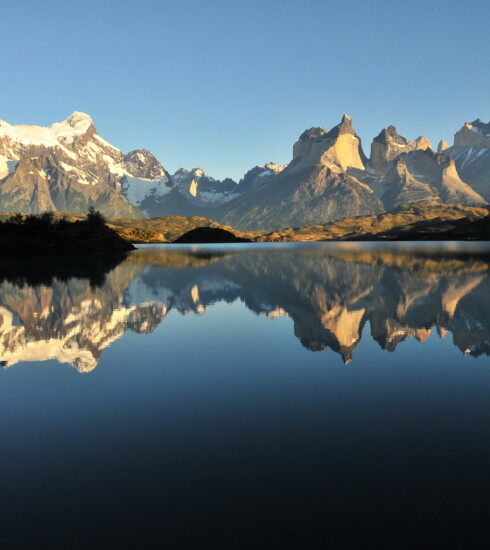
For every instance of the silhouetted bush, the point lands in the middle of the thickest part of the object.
(95, 218)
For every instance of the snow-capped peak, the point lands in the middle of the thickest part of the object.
(182, 174)
(77, 117)
(276, 168)
(198, 172)
(75, 125)
(59, 133)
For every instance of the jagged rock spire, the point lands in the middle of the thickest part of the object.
(340, 148)
(389, 145)
(442, 146)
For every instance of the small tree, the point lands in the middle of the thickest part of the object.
(94, 217)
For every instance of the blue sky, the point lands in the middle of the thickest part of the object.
(226, 85)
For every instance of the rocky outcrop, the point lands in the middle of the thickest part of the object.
(403, 172)
(471, 154)
(388, 146)
(316, 187)
(442, 146)
(400, 187)
(476, 134)
(142, 164)
(440, 173)
(196, 185)
(194, 193)
(257, 176)
(338, 149)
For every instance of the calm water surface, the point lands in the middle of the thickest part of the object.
(250, 394)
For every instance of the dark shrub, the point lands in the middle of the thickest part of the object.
(94, 217)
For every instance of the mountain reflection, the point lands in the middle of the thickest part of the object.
(330, 292)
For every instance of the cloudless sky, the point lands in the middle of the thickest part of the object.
(226, 85)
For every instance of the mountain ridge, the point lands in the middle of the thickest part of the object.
(69, 167)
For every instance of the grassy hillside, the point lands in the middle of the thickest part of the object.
(401, 220)
(154, 230)
(404, 220)
(164, 228)
(423, 220)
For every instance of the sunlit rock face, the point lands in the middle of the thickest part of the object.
(315, 187)
(258, 176)
(330, 178)
(442, 146)
(333, 297)
(405, 172)
(340, 148)
(201, 189)
(389, 145)
(192, 193)
(475, 133)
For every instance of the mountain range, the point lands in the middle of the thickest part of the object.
(69, 167)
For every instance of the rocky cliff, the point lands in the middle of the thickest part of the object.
(471, 153)
(316, 186)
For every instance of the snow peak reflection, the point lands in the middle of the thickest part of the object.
(333, 293)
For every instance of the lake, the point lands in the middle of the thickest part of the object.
(249, 395)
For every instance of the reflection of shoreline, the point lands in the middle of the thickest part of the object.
(36, 270)
(330, 297)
